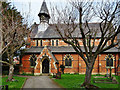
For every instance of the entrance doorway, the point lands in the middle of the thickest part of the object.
(45, 66)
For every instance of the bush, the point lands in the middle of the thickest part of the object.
(5, 70)
(27, 74)
(98, 74)
(54, 76)
(76, 73)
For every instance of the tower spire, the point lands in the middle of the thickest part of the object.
(44, 18)
(44, 12)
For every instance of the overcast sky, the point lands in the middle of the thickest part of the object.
(32, 7)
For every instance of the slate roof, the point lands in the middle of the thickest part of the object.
(34, 30)
(54, 58)
(44, 10)
(118, 38)
(51, 32)
(62, 49)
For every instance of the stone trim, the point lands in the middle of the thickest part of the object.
(31, 56)
(55, 65)
(67, 55)
(113, 60)
(37, 74)
(68, 66)
(49, 56)
(71, 59)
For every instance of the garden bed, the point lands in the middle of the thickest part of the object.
(102, 79)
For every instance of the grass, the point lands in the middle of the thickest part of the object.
(75, 80)
(15, 84)
(106, 79)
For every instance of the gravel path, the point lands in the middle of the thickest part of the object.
(40, 82)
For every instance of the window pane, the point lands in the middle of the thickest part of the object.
(109, 56)
(67, 56)
(111, 62)
(56, 42)
(70, 62)
(52, 42)
(32, 60)
(36, 42)
(66, 62)
(41, 43)
(107, 62)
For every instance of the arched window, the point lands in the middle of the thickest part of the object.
(68, 60)
(32, 60)
(109, 60)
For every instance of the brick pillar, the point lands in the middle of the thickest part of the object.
(118, 65)
(100, 66)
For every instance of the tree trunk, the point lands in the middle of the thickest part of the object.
(87, 81)
(11, 70)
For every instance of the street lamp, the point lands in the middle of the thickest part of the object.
(57, 64)
(58, 74)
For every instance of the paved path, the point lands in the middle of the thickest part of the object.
(40, 82)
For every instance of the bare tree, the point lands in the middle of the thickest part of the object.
(14, 31)
(76, 17)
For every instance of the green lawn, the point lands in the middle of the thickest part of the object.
(16, 84)
(74, 81)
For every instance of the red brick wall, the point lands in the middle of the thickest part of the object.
(48, 42)
(78, 65)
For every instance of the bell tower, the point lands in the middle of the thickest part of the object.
(44, 18)
(44, 14)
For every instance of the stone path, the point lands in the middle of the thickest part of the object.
(40, 82)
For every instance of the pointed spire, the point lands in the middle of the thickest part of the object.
(44, 10)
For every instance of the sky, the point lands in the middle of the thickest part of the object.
(30, 8)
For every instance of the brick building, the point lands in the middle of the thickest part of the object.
(46, 48)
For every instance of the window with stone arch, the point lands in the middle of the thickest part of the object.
(68, 60)
(109, 60)
(33, 59)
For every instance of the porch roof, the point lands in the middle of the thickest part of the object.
(64, 49)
